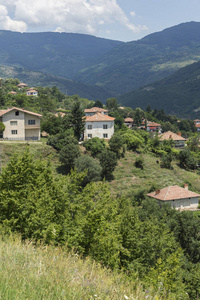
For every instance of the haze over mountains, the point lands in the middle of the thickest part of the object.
(107, 68)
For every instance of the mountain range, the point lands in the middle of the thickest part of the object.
(98, 68)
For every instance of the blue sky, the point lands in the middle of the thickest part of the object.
(124, 20)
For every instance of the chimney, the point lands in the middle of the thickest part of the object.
(157, 192)
(170, 136)
(179, 133)
(186, 186)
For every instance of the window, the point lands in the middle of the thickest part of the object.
(105, 135)
(13, 123)
(89, 127)
(13, 131)
(105, 126)
(17, 113)
(31, 122)
(89, 136)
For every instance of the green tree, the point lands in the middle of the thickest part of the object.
(89, 165)
(116, 144)
(108, 161)
(94, 145)
(98, 103)
(68, 155)
(31, 202)
(76, 119)
(112, 104)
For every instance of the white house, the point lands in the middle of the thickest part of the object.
(177, 197)
(32, 92)
(20, 124)
(99, 125)
(179, 141)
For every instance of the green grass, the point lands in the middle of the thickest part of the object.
(128, 178)
(29, 272)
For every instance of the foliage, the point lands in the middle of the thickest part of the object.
(76, 119)
(2, 126)
(187, 159)
(166, 160)
(61, 139)
(139, 162)
(94, 145)
(89, 165)
(108, 161)
(68, 155)
(133, 140)
(116, 144)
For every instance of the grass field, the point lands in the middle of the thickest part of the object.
(45, 272)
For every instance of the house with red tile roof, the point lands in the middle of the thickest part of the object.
(99, 125)
(197, 124)
(179, 141)
(128, 122)
(92, 111)
(20, 124)
(153, 127)
(31, 92)
(177, 197)
(22, 85)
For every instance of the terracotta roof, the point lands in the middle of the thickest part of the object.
(172, 193)
(171, 135)
(61, 114)
(95, 109)
(197, 125)
(5, 111)
(128, 120)
(98, 118)
(31, 91)
(12, 93)
(153, 124)
(197, 120)
(22, 84)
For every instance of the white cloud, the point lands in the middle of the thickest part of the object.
(132, 13)
(7, 23)
(83, 16)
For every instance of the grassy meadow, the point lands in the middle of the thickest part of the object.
(45, 272)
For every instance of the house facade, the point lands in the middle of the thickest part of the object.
(179, 141)
(20, 124)
(197, 124)
(99, 125)
(179, 198)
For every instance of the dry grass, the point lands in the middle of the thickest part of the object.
(47, 273)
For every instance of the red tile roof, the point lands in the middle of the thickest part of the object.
(153, 124)
(95, 109)
(98, 118)
(128, 120)
(171, 135)
(173, 193)
(197, 125)
(5, 111)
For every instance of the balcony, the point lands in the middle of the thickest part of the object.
(32, 126)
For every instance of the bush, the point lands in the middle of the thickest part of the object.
(91, 165)
(95, 146)
(139, 162)
(68, 156)
(108, 161)
(166, 160)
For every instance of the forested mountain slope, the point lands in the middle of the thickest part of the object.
(177, 94)
(134, 64)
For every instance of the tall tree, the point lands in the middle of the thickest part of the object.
(76, 119)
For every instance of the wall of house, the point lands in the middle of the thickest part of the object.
(98, 131)
(8, 119)
(187, 203)
(23, 129)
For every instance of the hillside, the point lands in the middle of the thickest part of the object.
(66, 86)
(134, 64)
(177, 94)
(115, 66)
(60, 54)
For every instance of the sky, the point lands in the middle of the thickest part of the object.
(124, 20)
